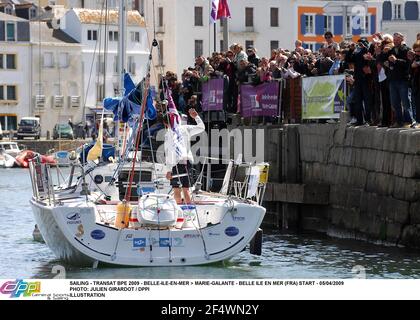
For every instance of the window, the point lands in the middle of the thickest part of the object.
(135, 36)
(10, 61)
(115, 69)
(131, 65)
(198, 16)
(9, 10)
(365, 25)
(160, 17)
(48, 60)
(249, 17)
(161, 52)
(64, 59)
(8, 92)
(100, 94)
(274, 17)
(39, 90)
(309, 26)
(198, 48)
(92, 35)
(274, 45)
(310, 46)
(8, 121)
(113, 35)
(328, 23)
(32, 13)
(397, 11)
(349, 25)
(249, 43)
(10, 31)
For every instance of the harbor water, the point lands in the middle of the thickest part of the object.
(285, 256)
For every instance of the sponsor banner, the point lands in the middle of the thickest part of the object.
(212, 99)
(323, 97)
(261, 100)
(207, 289)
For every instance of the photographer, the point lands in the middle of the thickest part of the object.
(398, 67)
(362, 93)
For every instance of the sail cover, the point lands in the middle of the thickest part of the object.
(126, 108)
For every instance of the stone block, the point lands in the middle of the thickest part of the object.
(347, 156)
(411, 236)
(412, 190)
(403, 141)
(399, 188)
(393, 232)
(409, 166)
(349, 136)
(380, 183)
(396, 210)
(338, 196)
(357, 177)
(353, 198)
(414, 144)
(415, 212)
(398, 164)
(379, 161)
(378, 138)
(389, 162)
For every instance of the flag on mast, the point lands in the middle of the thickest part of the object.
(219, 9)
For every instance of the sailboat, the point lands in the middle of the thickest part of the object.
(97, 219)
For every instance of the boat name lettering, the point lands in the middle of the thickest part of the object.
(236, 218)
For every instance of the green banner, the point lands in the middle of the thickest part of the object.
(323, 97)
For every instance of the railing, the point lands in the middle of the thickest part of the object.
(41, 179)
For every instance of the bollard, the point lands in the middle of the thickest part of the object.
(48, 134)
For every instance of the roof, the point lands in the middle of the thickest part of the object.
(8, 17)
(89, 16)
(48, 34)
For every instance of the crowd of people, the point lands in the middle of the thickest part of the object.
(383, 75)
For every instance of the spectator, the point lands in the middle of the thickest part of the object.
(252, 56)
(398, 70)
(329, 38)
(239, 54)
(415, 79)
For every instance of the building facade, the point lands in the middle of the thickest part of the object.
(276, 24)
(57, 77)
(402, 16)
(347, 20)
(15, 70)
(99, 57)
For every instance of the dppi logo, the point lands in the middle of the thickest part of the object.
(18, 287)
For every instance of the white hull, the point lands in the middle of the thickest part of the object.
(76, 234)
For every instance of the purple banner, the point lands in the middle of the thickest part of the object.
(212, 99)
(261, 100)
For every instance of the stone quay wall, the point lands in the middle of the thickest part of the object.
(373, 175)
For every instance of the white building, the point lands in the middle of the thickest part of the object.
(15, 70)
(57, 76)
(184, 30)
(401, 16)
(99, 57)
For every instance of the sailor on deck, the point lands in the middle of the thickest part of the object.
(178, 155)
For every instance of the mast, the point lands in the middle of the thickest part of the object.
(122, 25)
